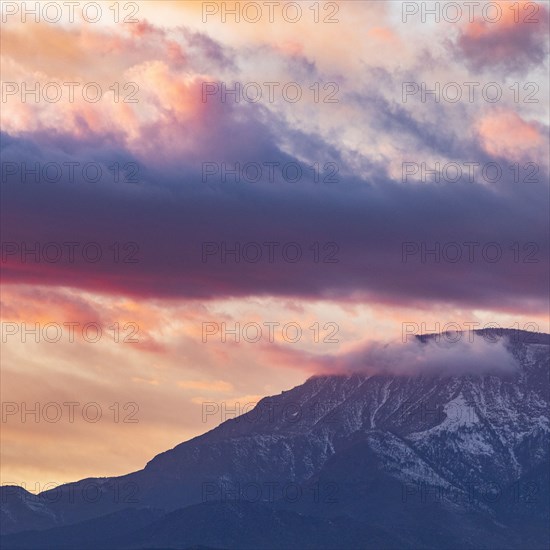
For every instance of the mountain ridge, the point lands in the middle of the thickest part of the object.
(454, 445)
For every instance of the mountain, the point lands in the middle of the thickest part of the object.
(343, 461)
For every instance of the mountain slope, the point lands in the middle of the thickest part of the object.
(390, 461)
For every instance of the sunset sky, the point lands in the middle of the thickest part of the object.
(353, 215)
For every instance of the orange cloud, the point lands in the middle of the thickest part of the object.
(216, 386)
(383, 34)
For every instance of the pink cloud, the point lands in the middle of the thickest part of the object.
(515, 41)
(505, 134)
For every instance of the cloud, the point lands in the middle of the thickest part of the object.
(381, 234)
(164, 218)
(453, 355)
(505, 134)
(215, 386)
(516, 41)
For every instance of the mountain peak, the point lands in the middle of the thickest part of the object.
(358, 448)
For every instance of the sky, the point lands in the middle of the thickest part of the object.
(317, 178)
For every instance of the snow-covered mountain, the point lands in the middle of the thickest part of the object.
(382, 461)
